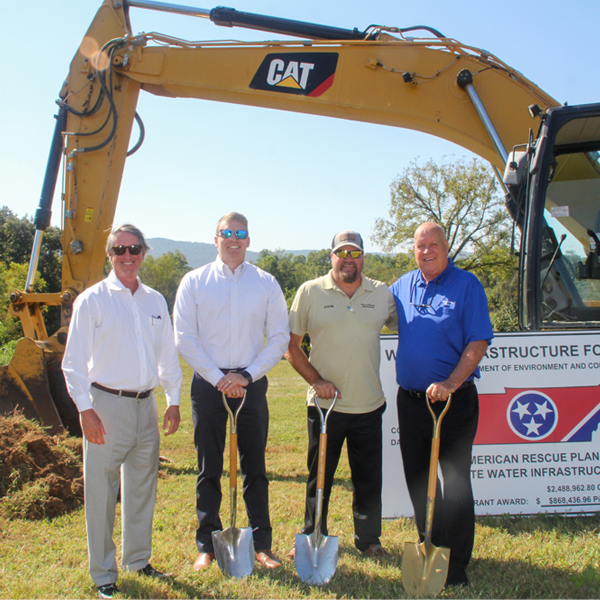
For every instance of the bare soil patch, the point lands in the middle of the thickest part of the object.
(40, 475)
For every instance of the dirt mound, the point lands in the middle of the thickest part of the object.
(40, 476)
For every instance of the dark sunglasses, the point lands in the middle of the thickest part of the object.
(240, 234)
(345, 253)
(134, 249)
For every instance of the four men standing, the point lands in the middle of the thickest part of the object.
(231, 326)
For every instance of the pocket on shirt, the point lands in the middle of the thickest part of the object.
(157, 330)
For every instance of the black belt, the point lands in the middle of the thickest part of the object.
(225, 371)
(125, 393)
(415, 394)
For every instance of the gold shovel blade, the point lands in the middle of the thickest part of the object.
(424, 572)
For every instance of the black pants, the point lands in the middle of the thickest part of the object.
(210, 434)
(454, 518)
(363, 436)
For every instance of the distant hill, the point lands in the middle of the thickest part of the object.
(198, 253)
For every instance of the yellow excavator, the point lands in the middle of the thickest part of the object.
(545, 155)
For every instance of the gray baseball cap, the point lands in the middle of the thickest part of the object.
(347, 238)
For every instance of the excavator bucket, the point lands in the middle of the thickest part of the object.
(33, 383)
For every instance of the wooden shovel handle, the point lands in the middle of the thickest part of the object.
(321, 464)
(233, 460)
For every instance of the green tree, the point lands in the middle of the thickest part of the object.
(318, 263)
(164, 274)
(387, 268)
(461, 196)
(13, 277)
(283, 267)
(16, 242)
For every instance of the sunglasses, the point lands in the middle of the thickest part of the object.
(240, 234)
(134, 249)
(351, 253)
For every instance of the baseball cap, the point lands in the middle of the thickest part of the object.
(347, 238)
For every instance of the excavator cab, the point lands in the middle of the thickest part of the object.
(560, 181)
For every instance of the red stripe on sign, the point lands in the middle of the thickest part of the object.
(323, 87)
(573, 405)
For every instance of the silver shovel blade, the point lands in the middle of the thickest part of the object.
(234, 550)
(316, 562)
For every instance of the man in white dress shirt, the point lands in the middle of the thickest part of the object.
(120, 347)
(231, 326)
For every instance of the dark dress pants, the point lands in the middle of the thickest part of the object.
(210, 435)
(363, 435)
(454, 518)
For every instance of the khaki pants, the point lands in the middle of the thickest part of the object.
(129, 457)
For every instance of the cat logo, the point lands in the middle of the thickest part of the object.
(300, 73)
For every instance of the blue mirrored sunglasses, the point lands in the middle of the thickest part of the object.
(240, 234)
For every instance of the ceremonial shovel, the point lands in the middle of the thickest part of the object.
(316, 554)
(425, 566)
(234, 548)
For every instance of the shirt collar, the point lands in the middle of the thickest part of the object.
(226, 271)
(421, 279)
(115, 283)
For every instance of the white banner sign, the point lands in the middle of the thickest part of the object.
(537, 448)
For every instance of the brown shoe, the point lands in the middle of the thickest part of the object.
(204, 560)
(267, 559)
(377, 551)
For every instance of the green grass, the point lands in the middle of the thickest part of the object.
(515, 557)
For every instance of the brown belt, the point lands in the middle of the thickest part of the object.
(416, 394)
(125, 393)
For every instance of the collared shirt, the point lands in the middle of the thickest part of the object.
(344, 334)
(122, 341)
(222, 319)
(437, 321)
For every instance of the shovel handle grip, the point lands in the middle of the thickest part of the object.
(321, 465)
(233, 461)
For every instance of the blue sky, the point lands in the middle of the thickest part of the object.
(298, 178)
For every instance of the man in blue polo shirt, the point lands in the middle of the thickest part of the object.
(444, 331)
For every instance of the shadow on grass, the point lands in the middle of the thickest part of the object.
(515, 524)
(173, 469)
(520, 579)
(365, 578)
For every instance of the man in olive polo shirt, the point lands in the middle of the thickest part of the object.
(343, 313)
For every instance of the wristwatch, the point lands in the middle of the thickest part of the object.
(247, 376)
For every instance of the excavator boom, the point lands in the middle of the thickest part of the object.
(431, 84)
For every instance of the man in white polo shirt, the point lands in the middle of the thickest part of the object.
(343, 313)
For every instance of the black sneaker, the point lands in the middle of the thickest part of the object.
(108, 590)
(150, 571)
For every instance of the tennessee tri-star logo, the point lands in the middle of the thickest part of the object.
(532, 415)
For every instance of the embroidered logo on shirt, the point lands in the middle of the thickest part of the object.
(367, 305)
(158, 317)
(328, 306)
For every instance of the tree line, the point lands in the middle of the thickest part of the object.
(461, 195)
